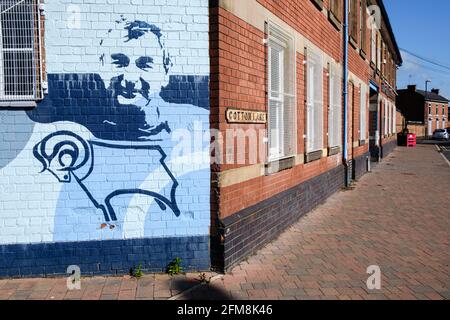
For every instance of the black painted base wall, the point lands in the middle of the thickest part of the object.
(249, 230)
(104, 257)
(360, 166)
(388, 148)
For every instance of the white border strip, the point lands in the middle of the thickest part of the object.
(442, 154)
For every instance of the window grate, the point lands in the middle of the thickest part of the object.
(20, 50)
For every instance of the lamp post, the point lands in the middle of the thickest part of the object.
(426, 104)
(426, 89)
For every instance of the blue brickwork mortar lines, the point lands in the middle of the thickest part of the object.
(104, 257)
(45, 225)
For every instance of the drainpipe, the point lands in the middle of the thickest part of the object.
(345, 93)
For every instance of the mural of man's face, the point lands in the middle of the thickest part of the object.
(138, 64)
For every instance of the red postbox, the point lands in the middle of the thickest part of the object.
(411, 140)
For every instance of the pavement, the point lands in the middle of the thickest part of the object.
(396, 218)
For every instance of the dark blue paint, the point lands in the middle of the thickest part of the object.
(138, 29)
(192, 90)
(84, 99)
(61, 149)
(104, 257)
(144, 63)
(120, 60)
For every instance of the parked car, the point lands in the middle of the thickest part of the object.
(441, 134)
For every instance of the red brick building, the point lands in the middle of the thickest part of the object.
(427, 109)
(278, 111)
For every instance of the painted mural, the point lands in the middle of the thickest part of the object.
(97, 158)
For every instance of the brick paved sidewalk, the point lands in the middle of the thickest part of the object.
(397, 217)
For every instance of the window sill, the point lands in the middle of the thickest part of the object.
(313, 156)
(362, 54)
(279, 165)
(334, 151)
(334, 21)
(318, 4)
(353, 42)
(362, 143)
(18, 104)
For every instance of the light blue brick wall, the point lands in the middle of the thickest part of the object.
(127, 79)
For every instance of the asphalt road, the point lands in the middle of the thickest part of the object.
(445, 146)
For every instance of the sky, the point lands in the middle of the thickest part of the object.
(422, 28)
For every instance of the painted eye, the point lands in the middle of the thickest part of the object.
(144, 63)
(120, 60)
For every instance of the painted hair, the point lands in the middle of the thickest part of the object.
(137, 29)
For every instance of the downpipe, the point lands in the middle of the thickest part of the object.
(347, 164)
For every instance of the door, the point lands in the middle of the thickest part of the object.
(374, 127)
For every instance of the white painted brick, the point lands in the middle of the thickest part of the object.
(34, 206)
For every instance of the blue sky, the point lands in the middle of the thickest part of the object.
(422, 27)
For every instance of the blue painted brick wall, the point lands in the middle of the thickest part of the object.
(90, 177)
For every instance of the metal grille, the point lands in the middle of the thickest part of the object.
(20, 63)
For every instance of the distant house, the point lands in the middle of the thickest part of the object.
(426, 111)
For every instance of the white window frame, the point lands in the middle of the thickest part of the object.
(363, 107)
(335, 106)
(373, 44)
(314, 102)
(394, 119)
(285, 133)
(385, 106)
(4, 98)
(388, 122)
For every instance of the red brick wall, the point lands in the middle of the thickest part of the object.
(238, 78)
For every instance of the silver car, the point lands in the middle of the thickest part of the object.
(441, 134)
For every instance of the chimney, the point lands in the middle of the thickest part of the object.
(412, 88)
(435, 91)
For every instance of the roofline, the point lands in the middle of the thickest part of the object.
(391, 32)
(426, 98)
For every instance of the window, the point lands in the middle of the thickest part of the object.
(353, 23)
(314, 102)
(282, 100)
(385, 118)
(373, 44)
(363, 113)
(336, 8)
(335, 107)
(379, 45)
(362, 23)
(429, 109)
(394, 119)
(20, 37)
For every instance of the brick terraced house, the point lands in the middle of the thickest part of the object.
(136, 132)
(425, 110)
(287, 59)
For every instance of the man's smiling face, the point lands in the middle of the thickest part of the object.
(140, 61)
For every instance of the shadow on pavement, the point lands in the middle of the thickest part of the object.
(201, 292)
